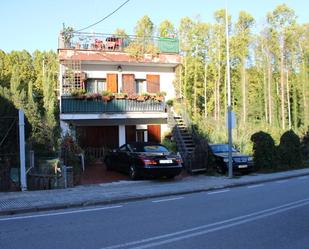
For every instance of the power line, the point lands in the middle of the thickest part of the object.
(104, 18)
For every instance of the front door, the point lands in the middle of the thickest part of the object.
(154, 133)
(140, 135)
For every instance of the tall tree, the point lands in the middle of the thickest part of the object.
(243, 39)
(280, 19)
(166, 29)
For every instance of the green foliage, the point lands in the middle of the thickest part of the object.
(144, 28)
(69, 154)
(264, 151)
(166, 29)
(170, 144)
(24, 85)
(170, 102)
(289, 150)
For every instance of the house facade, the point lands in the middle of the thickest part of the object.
(110, 88)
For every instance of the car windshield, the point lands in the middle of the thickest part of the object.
(155, 148)
(219, 148)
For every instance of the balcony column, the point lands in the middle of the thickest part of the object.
(119, 82)
(122, 134)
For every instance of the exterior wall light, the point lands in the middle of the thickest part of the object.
(119, 69)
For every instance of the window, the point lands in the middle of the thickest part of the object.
(96, 85)
(140, 86)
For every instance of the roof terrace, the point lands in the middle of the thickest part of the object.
(118, 43)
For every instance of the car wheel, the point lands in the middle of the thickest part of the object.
(221, 169)
(133, 172)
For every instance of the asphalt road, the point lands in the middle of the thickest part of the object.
(271, 215)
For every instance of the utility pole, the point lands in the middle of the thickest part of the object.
(23, 175)
(229, 105)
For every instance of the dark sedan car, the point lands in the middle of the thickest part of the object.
(144, 160)
(241, 162)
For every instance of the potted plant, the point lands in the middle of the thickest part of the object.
(67, 35)
(132, 97)
(121, 95)
(143, 97)
(107, 96)
(96, 96)
(160, 96)
(78, 93)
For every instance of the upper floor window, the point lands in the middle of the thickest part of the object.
(140, 86)
(96, 85)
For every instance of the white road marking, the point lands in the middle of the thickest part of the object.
(192, 232)
(170, 199)
(218, 192)
(281, 181)
(58, 213)
(256, 186)
(302, 177)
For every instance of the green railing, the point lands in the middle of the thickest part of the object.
(110, 42)
(72, 105)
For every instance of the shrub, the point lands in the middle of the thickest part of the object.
(170, 144)
(69, 155)
(289, 151)
(264, 151)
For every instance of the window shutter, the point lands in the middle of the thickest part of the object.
(112, 83)
(128, 84)
(153, 83)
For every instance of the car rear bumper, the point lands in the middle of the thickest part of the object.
(163, 171)
(242, 167)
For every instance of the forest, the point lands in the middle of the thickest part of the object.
(269, 77)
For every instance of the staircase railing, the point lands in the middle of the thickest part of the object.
(182, 148)
(195, 158)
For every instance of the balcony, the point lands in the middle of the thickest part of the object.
(113, 43)
(71, 105)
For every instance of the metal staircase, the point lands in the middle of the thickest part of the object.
(183, 138)
(185, 141)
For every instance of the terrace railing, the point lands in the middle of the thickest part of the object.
(108, 42)
(73, 105)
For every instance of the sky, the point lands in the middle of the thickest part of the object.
(35, 24)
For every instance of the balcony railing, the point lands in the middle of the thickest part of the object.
(108, 42)
(70, 105)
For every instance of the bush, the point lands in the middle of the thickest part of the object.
(69, 155)
(264, 151)
(289, 151)
(170, 144)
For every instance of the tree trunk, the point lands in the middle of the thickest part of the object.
(195, 89)
(243, 83)
(185, 80)
(218, 84)
(205, 91)
(269, 89)
(288, 97)
(282, 89)
(265, 95)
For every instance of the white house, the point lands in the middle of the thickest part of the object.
(95, 63)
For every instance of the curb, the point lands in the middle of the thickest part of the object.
(117, 200)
